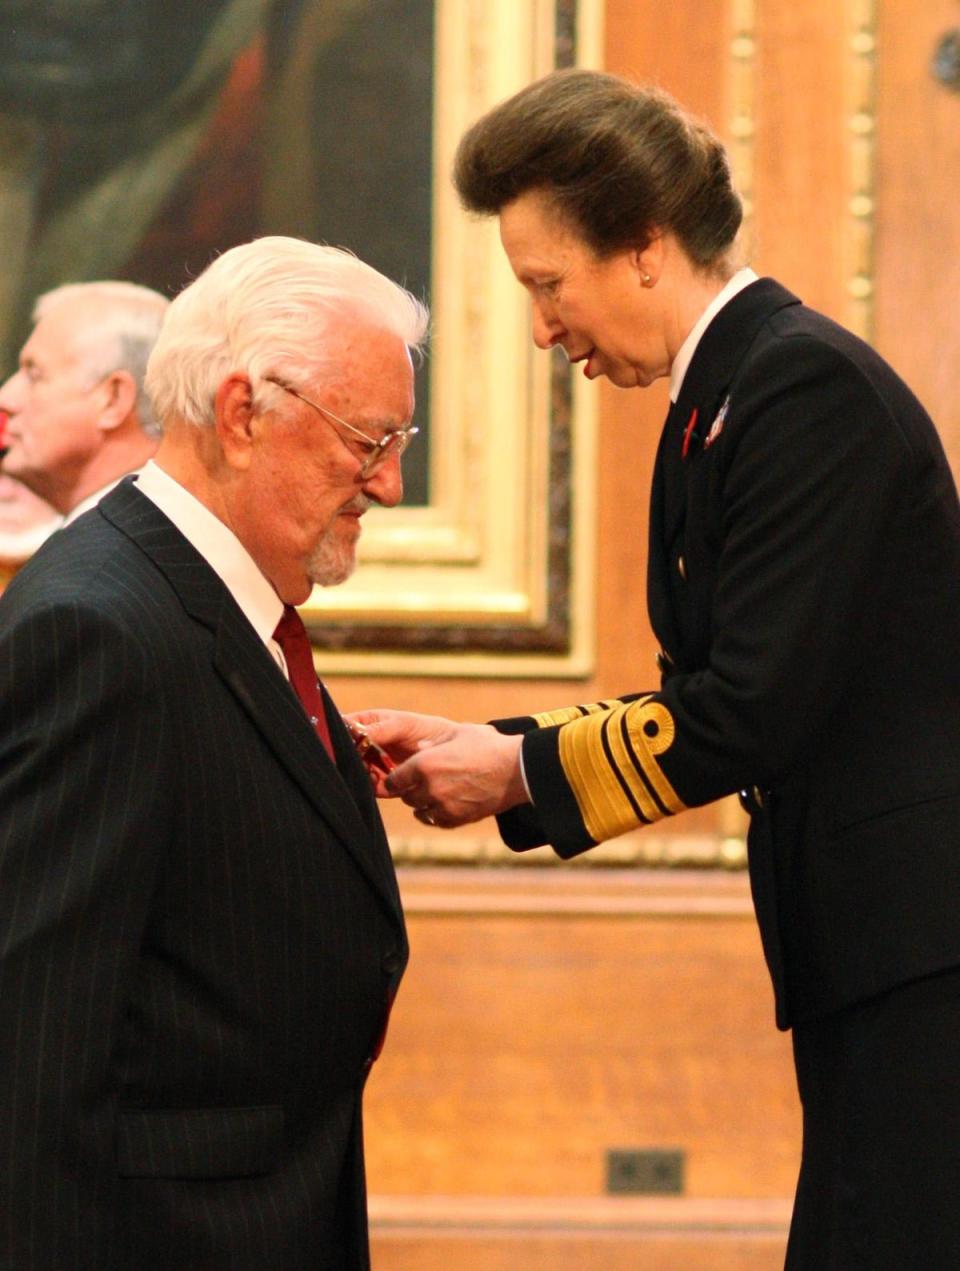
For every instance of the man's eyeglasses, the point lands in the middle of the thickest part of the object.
(378, 451)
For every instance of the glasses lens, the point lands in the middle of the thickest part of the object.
(394, 443)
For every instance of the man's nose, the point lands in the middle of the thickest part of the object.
(12, 392)
(8, 395)
(385, 485)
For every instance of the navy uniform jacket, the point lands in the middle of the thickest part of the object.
(199, 925)
(804, 581)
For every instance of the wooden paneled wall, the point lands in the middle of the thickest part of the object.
(917, 278)
(552, 1013)
(548, 1017)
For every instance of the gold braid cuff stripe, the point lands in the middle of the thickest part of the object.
(565, 714)
(611, 761)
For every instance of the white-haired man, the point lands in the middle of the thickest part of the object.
(202, 932)
(78, 419)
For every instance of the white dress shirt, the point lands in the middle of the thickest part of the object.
(222, 551)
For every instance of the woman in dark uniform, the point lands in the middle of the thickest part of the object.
(804, 582)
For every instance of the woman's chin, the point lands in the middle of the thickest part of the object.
(622, 375)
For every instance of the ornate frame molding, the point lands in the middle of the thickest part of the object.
(726, 849)
(860, 225)
(742, 121)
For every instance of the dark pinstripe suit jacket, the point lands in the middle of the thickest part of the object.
(804, 580)
(199, 925)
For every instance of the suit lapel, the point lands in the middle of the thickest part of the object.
(665, 523)
(242, 661)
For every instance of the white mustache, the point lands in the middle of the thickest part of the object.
(360, 503)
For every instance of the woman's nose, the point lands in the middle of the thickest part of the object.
(547, 329)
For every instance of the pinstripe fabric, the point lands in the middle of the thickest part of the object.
(199, 926)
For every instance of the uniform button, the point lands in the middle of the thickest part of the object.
(682, 568)
(752, 799)
(391, 962)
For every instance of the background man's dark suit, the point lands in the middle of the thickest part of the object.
(192, 985)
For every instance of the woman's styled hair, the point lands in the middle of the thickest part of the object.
(616, 161)
(269, 307)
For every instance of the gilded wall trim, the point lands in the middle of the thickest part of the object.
(643, 848)
(742, 116)
(861, 122)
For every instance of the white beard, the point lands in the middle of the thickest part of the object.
(332, 562)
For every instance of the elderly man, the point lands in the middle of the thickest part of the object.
(202, 932)
(78, 419)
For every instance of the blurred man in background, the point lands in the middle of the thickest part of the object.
(77, 419)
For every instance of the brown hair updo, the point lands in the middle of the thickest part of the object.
(617, 162)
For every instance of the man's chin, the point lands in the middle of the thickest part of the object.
(330, 569)
(333, 579)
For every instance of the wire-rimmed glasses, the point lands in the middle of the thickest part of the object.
(379, 450)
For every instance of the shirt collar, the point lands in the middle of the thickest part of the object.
(218, 546)
(742, 278)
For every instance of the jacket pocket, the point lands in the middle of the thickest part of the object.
(199, 1142)
(852, 819)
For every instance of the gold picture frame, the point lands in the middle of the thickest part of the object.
(493, 575)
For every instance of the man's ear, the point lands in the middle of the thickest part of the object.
(119, 395)
(235, 415)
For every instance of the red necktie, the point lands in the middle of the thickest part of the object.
(291, 635)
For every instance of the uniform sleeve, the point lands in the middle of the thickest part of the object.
(524, 827)
(811, 475)
(78, 725)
